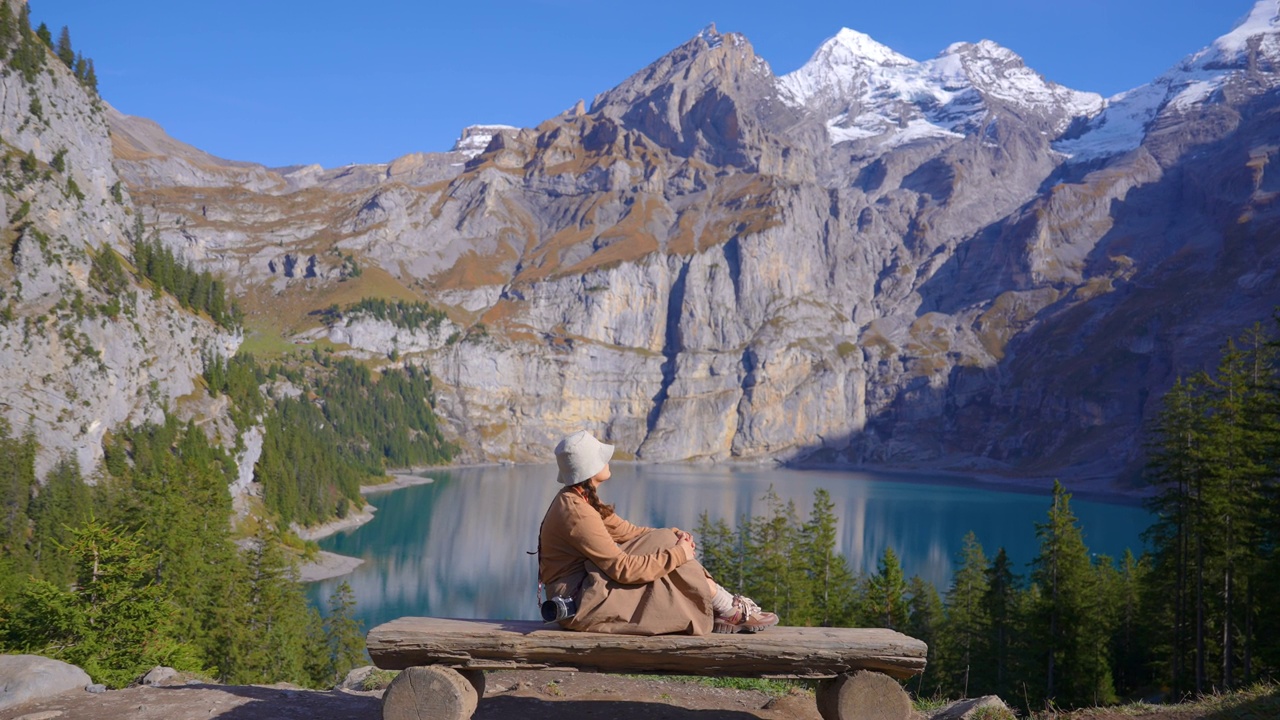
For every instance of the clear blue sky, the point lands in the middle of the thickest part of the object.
(285, 82)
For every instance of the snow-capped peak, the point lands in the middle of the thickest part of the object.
(839, 66)
(986, 49)
(867, 90)
(853, 47)
(475, 138)
(1000, 73)
(1263, 20)
(1251, 49)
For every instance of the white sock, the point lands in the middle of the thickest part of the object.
(722, 602)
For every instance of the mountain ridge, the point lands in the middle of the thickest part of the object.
(697, 268)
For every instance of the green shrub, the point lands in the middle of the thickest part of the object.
(379, 679)
(116, 623)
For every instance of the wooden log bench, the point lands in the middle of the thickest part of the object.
(444, 662)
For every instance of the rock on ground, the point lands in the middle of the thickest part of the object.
(993, 706)
(355, 679)
(27, 678)
(159, 675)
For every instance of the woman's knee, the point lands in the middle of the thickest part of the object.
(665, 537)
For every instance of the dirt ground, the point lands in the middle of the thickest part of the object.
(525, 695)
(513, 695)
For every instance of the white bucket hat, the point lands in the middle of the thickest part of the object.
(581, 456)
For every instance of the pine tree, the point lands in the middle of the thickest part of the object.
(63, 503)
(64, 51)
(774, 578)
(178, 476)
(997, 655)
(279, 633)
(925, 618)
(1122, 590)
(45, 35)
(1262, 623)
(718, 551)
(117, 622)
(966, 621)
(832, 583)
(1238, 468)
(1071, 630)
(17, 479)
(141, 252)
(29, 56)
(218, 303)
(1177, 468)
(1214, 463)
(884, 602)
(8, 30)
(29, 164)
(344, 636)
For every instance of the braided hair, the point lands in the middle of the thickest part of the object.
(588, 493)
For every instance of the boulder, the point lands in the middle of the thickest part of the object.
(990, 707)
(355, 679)
(159, 675)
(26, 678)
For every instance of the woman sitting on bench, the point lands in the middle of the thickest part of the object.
(627, 579)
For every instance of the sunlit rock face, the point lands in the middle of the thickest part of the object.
(952, 261)
(78, 358)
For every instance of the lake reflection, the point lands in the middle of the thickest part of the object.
(457, 547)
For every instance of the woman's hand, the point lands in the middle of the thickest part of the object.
(686, 540)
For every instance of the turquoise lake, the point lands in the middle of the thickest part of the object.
(456, 547)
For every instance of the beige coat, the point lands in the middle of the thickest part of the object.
(627, 579)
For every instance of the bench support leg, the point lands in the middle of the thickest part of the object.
(476, 678)
(864, 695)
(430, 693)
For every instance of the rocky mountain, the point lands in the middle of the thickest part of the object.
(952, 262)
(867, 91)
(81, 351)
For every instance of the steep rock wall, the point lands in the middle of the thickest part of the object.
(78, 359)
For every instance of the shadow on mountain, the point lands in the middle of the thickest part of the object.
(1188, 261)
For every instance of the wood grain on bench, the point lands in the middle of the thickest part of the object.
(776, 652)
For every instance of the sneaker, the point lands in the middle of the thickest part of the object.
(746, 616)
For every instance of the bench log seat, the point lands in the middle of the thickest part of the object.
(444, 660)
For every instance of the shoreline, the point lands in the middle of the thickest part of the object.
(328, 565)
(1097, 489)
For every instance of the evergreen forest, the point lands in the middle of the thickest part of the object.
(332, 425)
(196, 290)
(143, 569)
(27, 50)
(148, 564)
(1193, 614)
(400, 313)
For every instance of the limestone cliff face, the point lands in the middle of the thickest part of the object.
(713, 262)
(78, 358)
